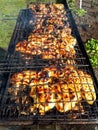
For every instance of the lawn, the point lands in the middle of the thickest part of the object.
(9, 10)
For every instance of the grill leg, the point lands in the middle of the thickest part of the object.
(37, 127)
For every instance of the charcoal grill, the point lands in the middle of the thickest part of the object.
(15, 62)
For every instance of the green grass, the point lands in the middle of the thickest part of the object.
(9, 10)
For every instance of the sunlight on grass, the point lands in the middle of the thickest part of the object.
(6, 30)
(9, 10)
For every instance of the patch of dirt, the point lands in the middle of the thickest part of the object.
(88, 24)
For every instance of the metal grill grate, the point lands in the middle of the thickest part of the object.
(20, 98)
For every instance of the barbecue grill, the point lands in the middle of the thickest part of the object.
(16, 103)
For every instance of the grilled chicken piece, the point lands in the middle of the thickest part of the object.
(44, 98)
(88, 90)
(46, 101)
(68, 95)
(89, 93)
(23, 78)
(47, 8)
(20, 80)
(76, 76)
(49, 48)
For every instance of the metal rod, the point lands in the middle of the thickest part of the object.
(80, 4)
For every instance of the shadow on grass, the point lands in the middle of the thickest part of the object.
(2, 53)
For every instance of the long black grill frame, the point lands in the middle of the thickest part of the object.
(12, 63)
